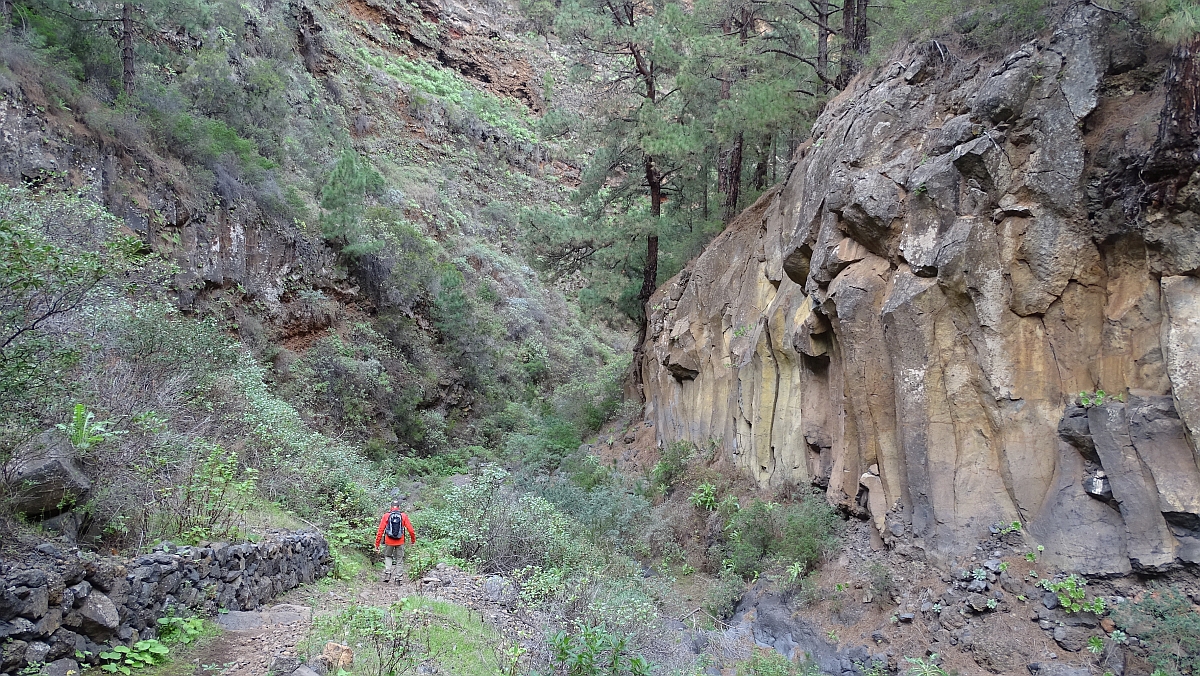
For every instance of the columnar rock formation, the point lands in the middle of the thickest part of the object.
(958, 252)
(57, 603)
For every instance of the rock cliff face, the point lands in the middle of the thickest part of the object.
(908, 321)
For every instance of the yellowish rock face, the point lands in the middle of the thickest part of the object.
(910, 319)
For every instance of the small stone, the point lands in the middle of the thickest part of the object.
(63, 667)
(907, 617)
(1108, 625)
(37, 651)
(284, 665)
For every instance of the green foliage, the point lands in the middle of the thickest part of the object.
(44, 280)
(1167, 623)
(1014, 527)
(801, 532)
(604, 504)
(592, 651)
(722, 598)
(1097, 398)
(488, 523)
(879, 581)
(1071, 594)
(672, 465)
(1171, 21)
(453, 89)
(343, 197)
(210, 504)
(994, 27)
(389, 641)
(124, 659)
(922, 667)
(771, 663)
(84, 431)
(704, 497)
(183, 630)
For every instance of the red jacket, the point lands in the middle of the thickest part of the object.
(391, 541)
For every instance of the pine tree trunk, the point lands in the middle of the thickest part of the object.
(1176, 151)
(127, 48)
(6, 11)
(760, 170)
(723, 153)
(849, 57)
(823, 34)
(734, 177)
(862, 39)
(649, 273)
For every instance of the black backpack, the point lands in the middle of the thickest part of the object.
(395, 525)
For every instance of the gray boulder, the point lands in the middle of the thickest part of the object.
(44, 475)
(99, 615)
(63, 667)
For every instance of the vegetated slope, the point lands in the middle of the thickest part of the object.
(961, 250)
(318, 290)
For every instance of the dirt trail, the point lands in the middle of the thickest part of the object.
(253, 639)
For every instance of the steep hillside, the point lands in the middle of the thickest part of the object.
(963, 309)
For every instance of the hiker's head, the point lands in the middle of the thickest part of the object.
(395, 504)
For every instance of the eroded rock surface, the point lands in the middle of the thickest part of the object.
(952, 260)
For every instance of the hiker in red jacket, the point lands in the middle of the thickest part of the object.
(391, 532)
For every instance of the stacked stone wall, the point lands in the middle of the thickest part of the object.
(54, 603)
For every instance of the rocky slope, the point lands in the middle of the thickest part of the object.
(957, 253)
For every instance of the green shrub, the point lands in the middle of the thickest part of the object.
(210, 504)
(610, 513)
(672, 464)
(801, 533)
(592, 651)
(1169, 625)
(704, 497)
(1071, 594)
(388, 640)
(879, 582)
(56, 252)
(722, 598)
(771, 663)
(500, 530)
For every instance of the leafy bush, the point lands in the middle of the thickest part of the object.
(591, 651)
(671, 465)
(771, 663)
(210, 503)
(500, 530)
(124, 659)
(56, 250)
(1168, 624)
(1071, 594)
(983, 25)
(389, 640)
(704, 497)
(879, 582)
(801, 533)
(722, 598)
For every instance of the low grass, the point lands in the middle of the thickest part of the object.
(197, 657)
(459, 641)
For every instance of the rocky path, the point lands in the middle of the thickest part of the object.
(268, 640)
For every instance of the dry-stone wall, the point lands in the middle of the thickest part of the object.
(54, 603)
